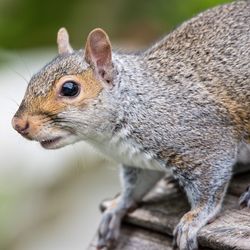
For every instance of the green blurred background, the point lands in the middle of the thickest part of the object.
(49, 199)
(34, 23)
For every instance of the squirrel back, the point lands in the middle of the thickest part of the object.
(211, 50)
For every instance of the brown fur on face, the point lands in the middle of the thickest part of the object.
(39, 110)
(54, 103)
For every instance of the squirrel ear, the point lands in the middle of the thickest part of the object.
(64, 46)
(98, 54)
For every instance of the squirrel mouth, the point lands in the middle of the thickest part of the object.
(50, 143)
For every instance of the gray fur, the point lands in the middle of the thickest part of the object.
(136, 183)
(183, 104)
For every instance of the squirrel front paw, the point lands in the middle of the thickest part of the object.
(185, 233)
(244, 200)
(109, 229)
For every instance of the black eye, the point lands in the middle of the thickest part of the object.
(69, 89)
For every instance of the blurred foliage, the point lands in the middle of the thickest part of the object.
(34, 23)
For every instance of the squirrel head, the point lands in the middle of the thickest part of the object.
(65, 101)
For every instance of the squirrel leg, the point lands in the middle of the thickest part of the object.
(244, 164)
(136, 183)
(206, 198)
(244, 200)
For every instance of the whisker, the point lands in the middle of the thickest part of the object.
(13, 100)
(25, 65)
(19, 74)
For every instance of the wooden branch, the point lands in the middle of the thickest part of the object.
(161, 211)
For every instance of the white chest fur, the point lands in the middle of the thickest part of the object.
(126, 152)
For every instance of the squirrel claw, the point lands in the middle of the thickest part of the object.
(185, 236)
(109, 230)
(244, 200)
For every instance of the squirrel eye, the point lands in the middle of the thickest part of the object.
(70, 89)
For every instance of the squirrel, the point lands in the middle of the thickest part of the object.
(182, 105)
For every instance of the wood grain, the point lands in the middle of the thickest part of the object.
(135, 238)
(165, 205)
(229, 231)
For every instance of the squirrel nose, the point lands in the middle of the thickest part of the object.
(20, 125)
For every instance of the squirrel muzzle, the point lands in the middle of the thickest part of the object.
(23, 126)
